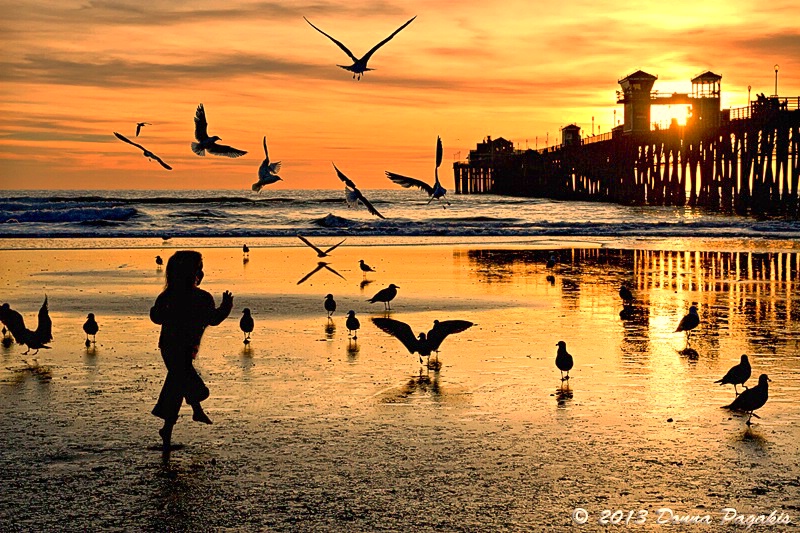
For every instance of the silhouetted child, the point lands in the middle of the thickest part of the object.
(184, 311)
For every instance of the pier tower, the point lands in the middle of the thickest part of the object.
(635, 95)
(706, 110)
(571, 135)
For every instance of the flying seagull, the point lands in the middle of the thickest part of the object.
(147, 153)
(359, 66)
(267, 172)
(751, 399)
(436, 191)
(204, 142)
(140, 125)
(423, 344)
(320, 253)
(737, 375)
(32, 339)
(564, 360)
(353, 195)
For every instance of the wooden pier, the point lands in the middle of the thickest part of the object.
(743, 160)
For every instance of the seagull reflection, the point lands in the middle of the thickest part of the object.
(364, 283)
(320, 266)
(422, 384)
(352, 350)
(690, 353)
(330, 329)
(563, 393)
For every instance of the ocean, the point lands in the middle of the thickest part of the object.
(224, 214)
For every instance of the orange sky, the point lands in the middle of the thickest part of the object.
(72, 72)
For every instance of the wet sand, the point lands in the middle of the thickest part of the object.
(313, 431)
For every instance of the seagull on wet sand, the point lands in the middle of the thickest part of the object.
(159, 261)
(245, 249)
(737, 375)
(423, 344)
(140, 125)
(364, 267)
(246, 324)
(359, 66)
(267, 172)
(205, 143)
(352, 324)
(564, 360)
(320, 253)
(147, 153)
(34, 340)
(330, 305)
(385, 295)
(353, 195)
(751, 399)
(436, 191)
(90, 327)
(689, 322)
(626, 295)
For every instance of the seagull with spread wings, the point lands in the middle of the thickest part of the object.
(267, 172)
(359, 66)
(320, 253)
(423, 344)
(32, 339)
(147, 153)
(353, 195)
(435, 191)
(205, 143)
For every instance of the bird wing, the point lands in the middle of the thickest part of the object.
(138, 128)
(439, 151)
(356, 192)
(163, 164)
(338, 43)
(407, 182)
(389, 38)
(368, 205)
(125, 139)
(266, 154)
(332, 270)
(334, 246)
(442, 329)
(44, 330)
(319, 267)
(200, 124)
(400, 330)
(15, 324)
(227, 151)
(319, 252)
(275, 167)
(347, 181)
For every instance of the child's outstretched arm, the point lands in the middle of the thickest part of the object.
(224, 309)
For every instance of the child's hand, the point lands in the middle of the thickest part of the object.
(227, 299)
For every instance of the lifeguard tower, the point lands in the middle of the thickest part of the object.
(635, 95)
(571, 135)
(706, 111)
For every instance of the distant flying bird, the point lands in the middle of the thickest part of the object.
(689, 322)
(205, 143)
(359, 66)
(435, 192)
(140, 125)
(330, 305)
(564, 360)
(751, 399)
(422, 344)
(90, 327)
(159, 261)
(320, 253)
(246, 324)
(352, 324)
(626, 295)
(32, 339)
(267, 172)
(385, 295)
(147, 153)
(365, 267)
(320, 266)
(737, 375)
(353, 195)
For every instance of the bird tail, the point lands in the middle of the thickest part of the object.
(257, 187)
(719, 381)
(196, 149)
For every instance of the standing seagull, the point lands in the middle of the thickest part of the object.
(245, 249)
(385, 295)
(564, 360)
(422, 344)
(147, 153)
(353, 195)
(246, 324)
(267, 172)
(352, 324)
(204, 142)
(330, 305)
(737, 375)
(159, 261)
(435, 192)
(365, 267)
(90, 327)
(626, 295)
(140, 125)
(751, 399)
(32, 339)
(320, 253)
(689, 322)
(359, 66)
